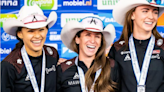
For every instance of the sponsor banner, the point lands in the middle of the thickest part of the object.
(10, 4)
(107, 18)
(77, 4)
(4, 17)
(162, 34)
(118, 33)
(53, 36)
(106, 4)
(53, 45)
(65, 17)
(67, 53)
(160, 21)
(161, 30)
(5, 49)
(6, 37)
(43, 4)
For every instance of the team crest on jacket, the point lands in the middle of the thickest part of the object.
(27, 78)
(121, 42)
(76, 76)
(53, 68)
(69, 62)
(159, 42)
(49, 50)
(127, 57)
(19, 61)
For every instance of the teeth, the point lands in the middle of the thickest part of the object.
(149, 22)
(91, 46)
(36, 41)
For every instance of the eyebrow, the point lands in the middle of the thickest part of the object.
(155, 9)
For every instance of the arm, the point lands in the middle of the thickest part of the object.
(59, 75)
(7, 77)
(161, 88)
(115, 72)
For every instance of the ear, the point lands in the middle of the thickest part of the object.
(133, 16)
(77, 40)
(20, 35)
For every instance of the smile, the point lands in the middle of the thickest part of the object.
(91, 47)
(149, 23)
(36, 42)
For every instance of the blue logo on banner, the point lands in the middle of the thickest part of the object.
(10, 4)
(71, 4)
(67, 53)
(108, 19)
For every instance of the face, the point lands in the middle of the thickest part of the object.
(33, 39)
(145, 18)
(89, 43)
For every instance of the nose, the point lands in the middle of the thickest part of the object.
(92, 39)
(150, 15)
(37, 34)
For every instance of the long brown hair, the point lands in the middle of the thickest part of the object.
(104, 82)
(128, 28)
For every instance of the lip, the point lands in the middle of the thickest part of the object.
(91, 46)
(91, 49)
(149, 22)
(36, 43)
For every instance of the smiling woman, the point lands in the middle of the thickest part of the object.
(31, 66)
(139, 53)
(33, 39)
(90, 70)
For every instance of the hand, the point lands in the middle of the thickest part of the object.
(61, 60)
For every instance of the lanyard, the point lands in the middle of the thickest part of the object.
(141, 76)
(82, 77)
(30, 70)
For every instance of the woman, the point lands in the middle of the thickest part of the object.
(30, 67)
(90, 71)
(139, 53)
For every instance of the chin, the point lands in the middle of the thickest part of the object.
(149, 30)
(37, 49)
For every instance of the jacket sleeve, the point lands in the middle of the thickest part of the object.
(161, 88)
(8, 75)
(115, 71)
(59, 75)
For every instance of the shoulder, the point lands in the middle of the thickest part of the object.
(111, 61)
(15, 59)
(67, 64)
(160, 43)
(119, 44)
(51, 51)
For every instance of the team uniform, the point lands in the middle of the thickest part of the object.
(15, 77)
(123, 73)
(68, 77)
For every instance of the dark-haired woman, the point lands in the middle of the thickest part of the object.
(31, 66)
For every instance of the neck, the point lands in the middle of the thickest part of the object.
(86, 60)
(140, 35)
(33, 53)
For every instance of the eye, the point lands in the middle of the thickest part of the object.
(98, 36)
(156, 12)
(144, 11)
(88, 34)
(41, 29)
(30, 30)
